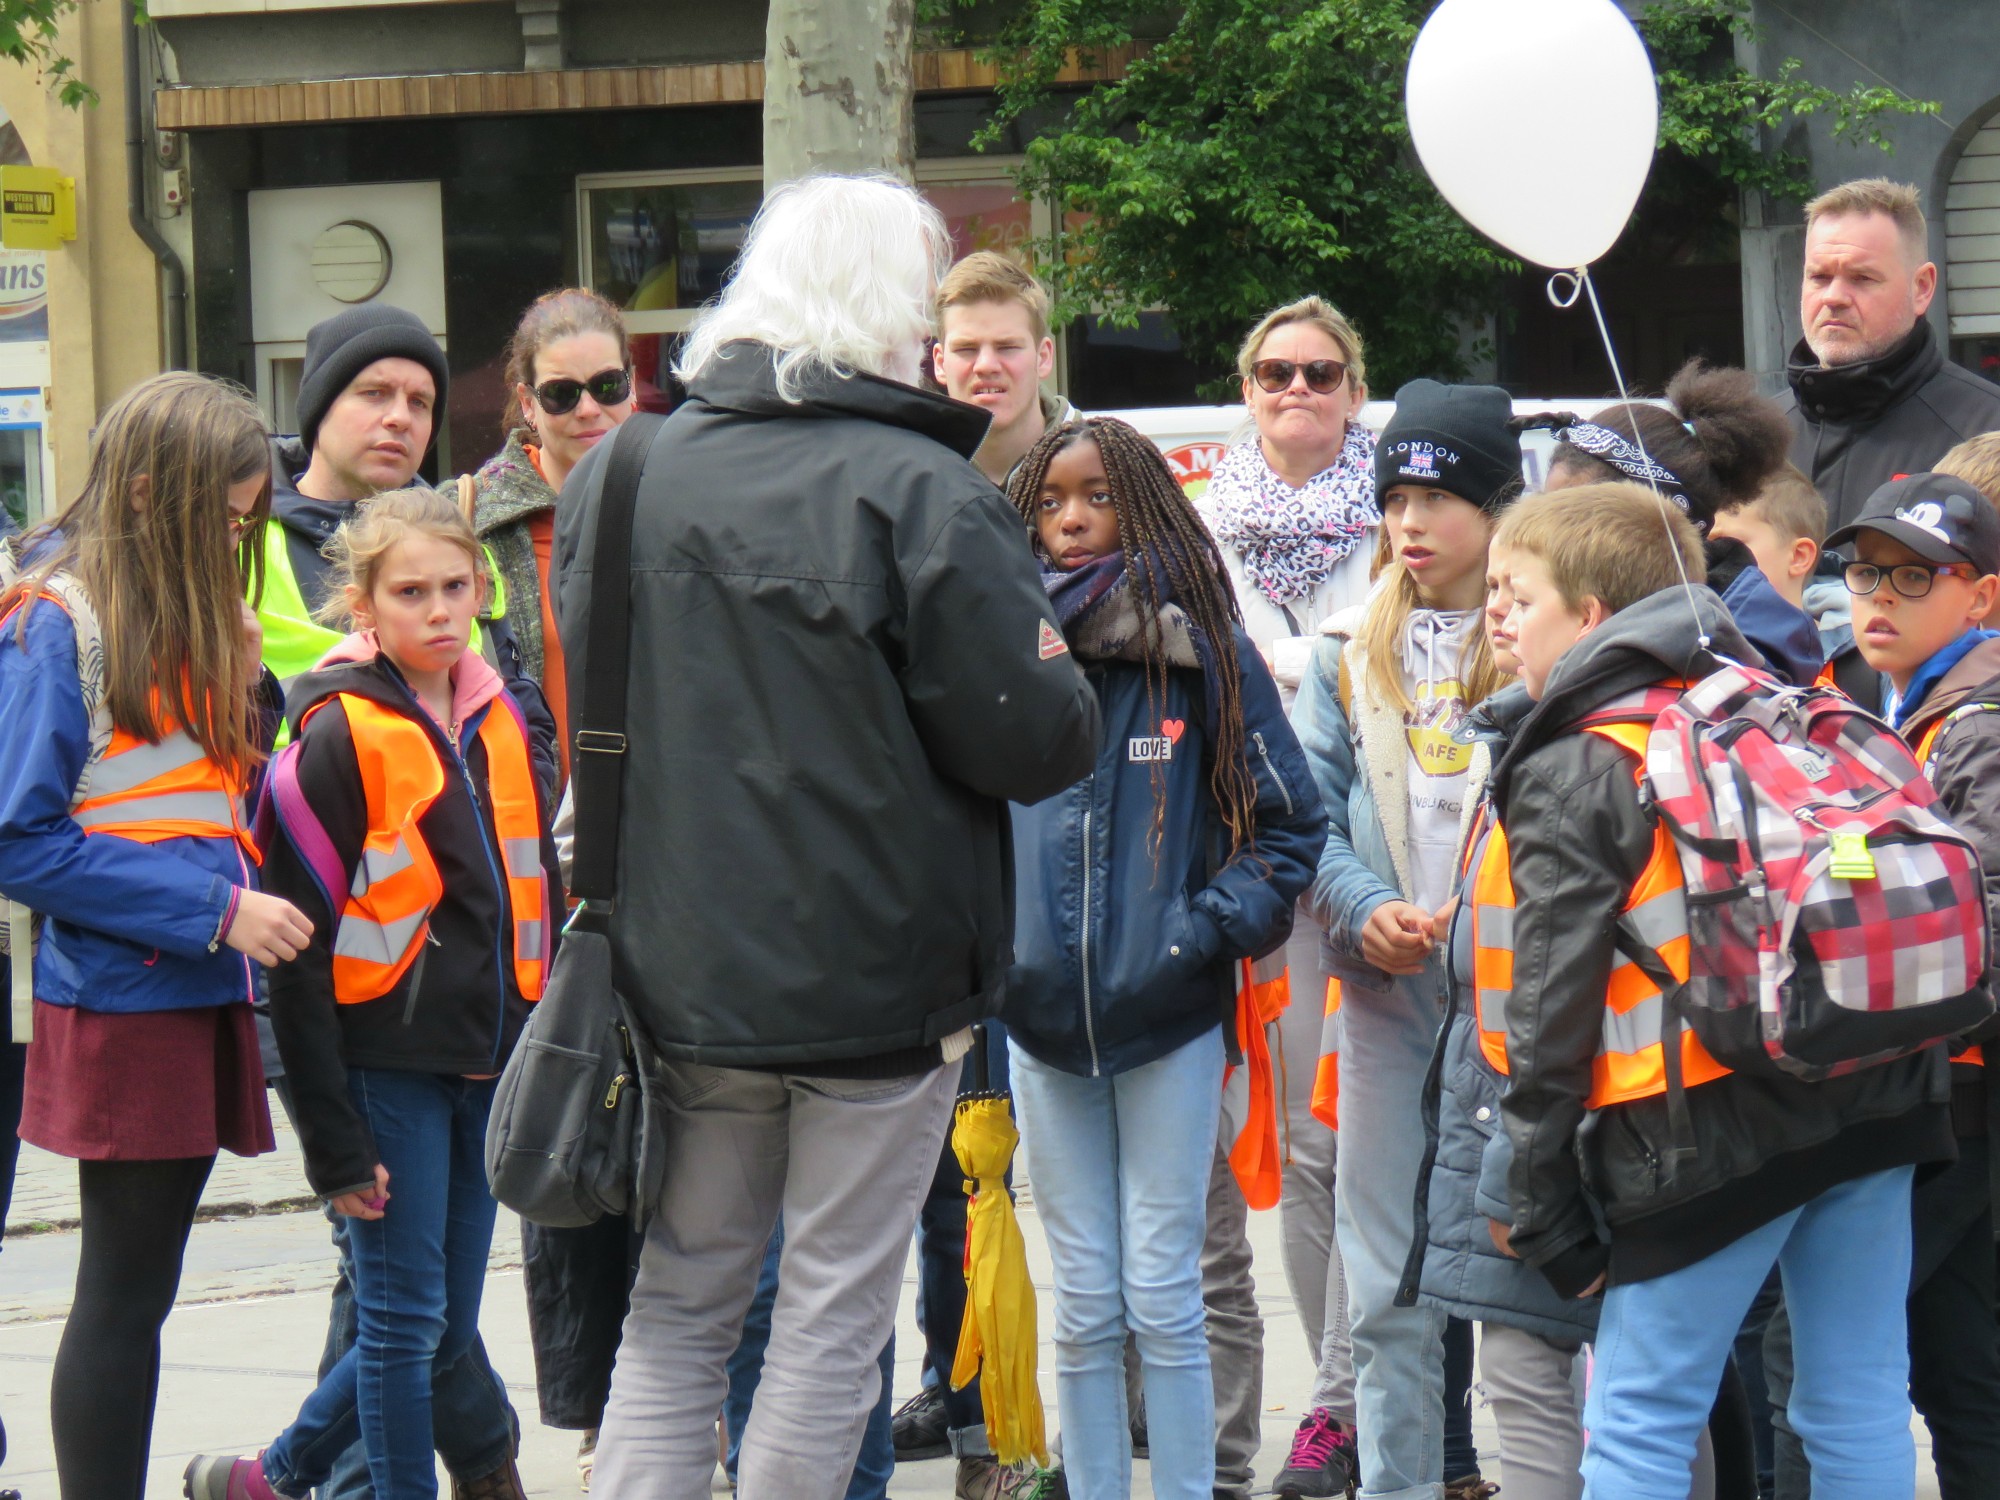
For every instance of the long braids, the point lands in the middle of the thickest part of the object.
(1160, 532)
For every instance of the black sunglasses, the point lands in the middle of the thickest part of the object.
(607, 388)
(1323, 376)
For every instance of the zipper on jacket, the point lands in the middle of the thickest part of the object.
(1089, 1025)
(492, 864)
(1271, 770)
(417, 974)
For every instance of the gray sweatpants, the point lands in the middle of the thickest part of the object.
(849, 1161)
(1312, 1259)
(1535, 1388)
(1235, 1331)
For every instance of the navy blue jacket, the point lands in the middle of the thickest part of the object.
(1121, 957)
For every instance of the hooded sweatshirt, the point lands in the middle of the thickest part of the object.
(458, 1010)
(1434, 646)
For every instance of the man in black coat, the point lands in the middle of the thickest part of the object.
(1872, 395)
(842, 667)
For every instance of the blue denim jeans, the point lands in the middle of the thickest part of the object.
(1120, 1167)
(877, 1458)
(1387, 1037)
(418, 1273)
(1845, 1258)
(472, 1420)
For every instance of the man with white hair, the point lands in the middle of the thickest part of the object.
(843, 667)
(1873, 397)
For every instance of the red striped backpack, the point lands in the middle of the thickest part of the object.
(1835, 918)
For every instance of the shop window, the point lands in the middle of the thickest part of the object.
(660, 245)
(1981, 356)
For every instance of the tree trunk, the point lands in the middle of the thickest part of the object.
(837, 88)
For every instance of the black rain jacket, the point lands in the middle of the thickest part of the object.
(1856, 427)
(843, 666)
(1578, 840)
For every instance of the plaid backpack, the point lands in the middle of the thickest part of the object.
(1836, 920)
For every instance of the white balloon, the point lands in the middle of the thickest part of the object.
(1537, 121)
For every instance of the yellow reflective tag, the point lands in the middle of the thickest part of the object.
(1851, 859)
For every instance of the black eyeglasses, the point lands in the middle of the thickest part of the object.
(607, 388)
(1911, 580)
(1323, 376)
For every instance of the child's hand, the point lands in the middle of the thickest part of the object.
(1441, 923)
(366, 1205)
(1502, 1236)
(268, 929)
(1397, 937)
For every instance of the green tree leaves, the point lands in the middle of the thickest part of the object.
(1257, 150)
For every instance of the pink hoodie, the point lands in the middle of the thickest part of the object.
(474, 683)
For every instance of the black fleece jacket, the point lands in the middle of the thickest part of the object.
(1603, 1190)
(458, 1009)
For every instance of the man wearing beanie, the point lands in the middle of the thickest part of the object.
(373, 381)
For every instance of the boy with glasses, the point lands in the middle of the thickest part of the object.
(1926, 550)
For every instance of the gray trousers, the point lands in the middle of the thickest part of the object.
(1235, 1331)
(848, 1161)
(1534, 1386)
(1313, 1269)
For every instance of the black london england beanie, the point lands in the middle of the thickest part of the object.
(347, 343)
(1453, 438)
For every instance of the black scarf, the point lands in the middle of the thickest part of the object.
(1857, 394)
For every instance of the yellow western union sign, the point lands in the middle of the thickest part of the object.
(37, 208)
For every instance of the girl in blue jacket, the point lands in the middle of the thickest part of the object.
(128, 664)
(1138, 890)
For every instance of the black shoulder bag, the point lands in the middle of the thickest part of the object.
(574, 1134)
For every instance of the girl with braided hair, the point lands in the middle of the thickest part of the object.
(1139, 891)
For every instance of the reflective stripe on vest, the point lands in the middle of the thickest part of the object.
(1630, 1062)
(386, 917)
(146, 791)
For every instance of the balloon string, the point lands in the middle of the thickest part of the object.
(1582, 275)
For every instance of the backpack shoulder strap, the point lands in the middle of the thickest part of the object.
(1928, 744)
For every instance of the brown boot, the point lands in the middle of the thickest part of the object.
(503, 1483)
(1471, 1487)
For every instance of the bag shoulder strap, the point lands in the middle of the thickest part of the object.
(597, 766)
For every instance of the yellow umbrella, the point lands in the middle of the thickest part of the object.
(997, 1341)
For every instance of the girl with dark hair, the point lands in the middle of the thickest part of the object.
(1711, 447)
(128, 665)
(1139, 890)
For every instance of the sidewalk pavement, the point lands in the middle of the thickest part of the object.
(240, 1348)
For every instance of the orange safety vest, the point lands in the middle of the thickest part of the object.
(1263, 991)
(1630, 1062)
(148, 791)
(1973, 1056)
(1326, 1080)
(386, 917)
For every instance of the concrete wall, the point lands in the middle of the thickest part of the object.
(1947, 50)
(104, 302)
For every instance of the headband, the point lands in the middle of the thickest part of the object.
(1626, 457)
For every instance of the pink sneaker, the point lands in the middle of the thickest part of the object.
(211, 1477)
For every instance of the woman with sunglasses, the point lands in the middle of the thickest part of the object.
(569, 377)
(1293, 508)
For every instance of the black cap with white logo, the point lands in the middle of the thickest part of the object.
(1941, 519)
